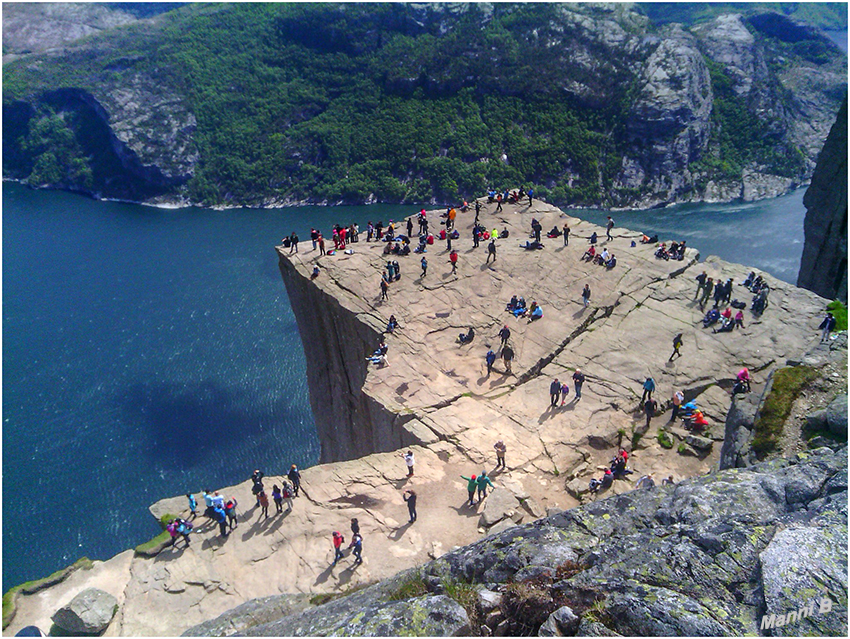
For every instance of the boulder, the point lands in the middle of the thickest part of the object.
(499, 504)
(488, 600)
(836, 416)
(700, 443)
(89, 613)
(501, 526)
(578, 487)
(594, 629)
(816, 420)
(561, 623)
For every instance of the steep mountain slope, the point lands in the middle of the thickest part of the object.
(282, 103)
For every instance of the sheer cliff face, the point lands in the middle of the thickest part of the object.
(824, 265)
(350, 423)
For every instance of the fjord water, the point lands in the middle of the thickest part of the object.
(151, 352)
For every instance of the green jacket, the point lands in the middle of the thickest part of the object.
(472, 483)
(483, 481)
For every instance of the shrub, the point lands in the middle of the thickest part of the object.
(412, 586)
(839, 310)
(664, 440)
(787, 385)
(682, 449)
(466, 594)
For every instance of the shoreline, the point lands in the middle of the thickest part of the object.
(275, 205)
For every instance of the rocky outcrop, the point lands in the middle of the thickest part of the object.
(89, 613)
(710, 556)
(823, 268)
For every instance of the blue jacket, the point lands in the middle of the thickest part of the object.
(649, 384)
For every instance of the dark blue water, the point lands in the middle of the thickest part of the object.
(150, 352)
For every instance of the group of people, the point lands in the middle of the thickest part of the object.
(608, 260)
(559, 390)
(676, 251)
(507, 351)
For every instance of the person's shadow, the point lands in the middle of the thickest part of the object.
(322, 577)
(398, 533)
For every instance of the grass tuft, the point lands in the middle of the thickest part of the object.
(412, 586)
(788, 383)
(664, 440)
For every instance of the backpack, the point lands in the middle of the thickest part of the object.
(737, 304)
(286, 492)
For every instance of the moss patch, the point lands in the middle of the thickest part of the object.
(839, 311)
(152, 547)
(32, 587)
(664, 440)
(787, 385)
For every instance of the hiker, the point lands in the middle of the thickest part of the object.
(608, 228)
(565, 390)
(648, 388)
(257, 488)
(491, 251)
(489, 359)
(827, 326)
(585, 295)
(408, 458)
(578, 380)
(501, 449)
(677, 344)
(554, 392)
(392, 324)
(466, 338)
(221, 518)
(471, 487)
(338, 541)
(321, 245)
(649, 407)
(645, 482)
(356, 546)
(593, 238)
(183, 528)
(315, 273)
(355, 526)
(589, 254)
(607, 478)
(678, 398)
(287, 494)
(507, 357)
(230, 511)
(278, 499)
(739, 319)
(505, 334)
(370, 231)
(566, 234)
(668, 481)
(293, 243)
(264, 503)
(706, 293)
(424, 264)
(453, 260)
(483, 482)
(744, 378)
(410, 497)
(193, 505)
(700, 283)
(384, 288)
(530, 197)
(409, 226)
(208, 502)
(314, 237)
(295, 477)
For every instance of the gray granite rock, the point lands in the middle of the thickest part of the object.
(561, 623)
(836, 416)
(88, 613)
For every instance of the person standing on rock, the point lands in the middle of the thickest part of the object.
(578, 380)
(827, 326)
(221, 517)
(608, 228)
(678, 398)
(700, 283)
(585, 295)
(410, 497)
(554, 392)
(471, 487)
(424, 264)
(384, 288)
(408, 458)
(491, 250)
(321, 244)
(505, 335)
(706, 293)
(208, 501)
(295, 477)
(677, 344)
(649, 408)
(507, 358)
(338, 540)
(483, 481)
(193, 505)
(565, 390)
(648, 388)
(356, 546)
(264, 503)
(489, 359)
(286, 493)
(277, 496)
(355, 526)
(409, 227)
(501, 449)
(566, 234)
(293, 243)
(230, 511)
(453, 260)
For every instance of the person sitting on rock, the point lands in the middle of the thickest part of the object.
(593, 238)
(662, 253)
(534, 312)
(520, 309)
(607, 479)
(612, 262)
(555, 232)
(589, 254)
(726, 326)
(512, 304)
(392, 324)
(466, 338)
(744, 377)
(697, 421)
(710, 318)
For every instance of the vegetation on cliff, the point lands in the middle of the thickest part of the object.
(358, 102)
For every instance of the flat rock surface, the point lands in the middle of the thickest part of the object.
(624, 335)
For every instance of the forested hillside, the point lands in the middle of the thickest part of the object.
(280, 103)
